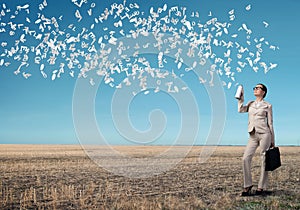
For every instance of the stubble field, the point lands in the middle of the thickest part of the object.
(63, 177)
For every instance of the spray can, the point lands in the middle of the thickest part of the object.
(238, 93)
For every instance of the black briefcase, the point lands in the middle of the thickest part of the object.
(273, 159)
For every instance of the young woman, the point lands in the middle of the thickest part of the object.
(261, 134)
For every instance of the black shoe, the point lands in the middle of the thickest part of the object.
(247, 192)
(260, 192)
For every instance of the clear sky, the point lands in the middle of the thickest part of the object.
(40, 110)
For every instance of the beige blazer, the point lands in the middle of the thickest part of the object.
(260, 116)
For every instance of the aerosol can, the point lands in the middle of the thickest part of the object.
(239, 91)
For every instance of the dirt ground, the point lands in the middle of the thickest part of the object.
(64, 177)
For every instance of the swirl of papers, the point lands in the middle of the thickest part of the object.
(59, 48)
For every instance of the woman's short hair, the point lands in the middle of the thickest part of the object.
(264, 88)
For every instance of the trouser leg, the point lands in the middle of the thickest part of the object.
(264, 144)
(247, 159)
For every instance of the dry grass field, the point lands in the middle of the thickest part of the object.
(63, 177)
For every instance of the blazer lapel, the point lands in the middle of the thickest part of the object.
(263, 105)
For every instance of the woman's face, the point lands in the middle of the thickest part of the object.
(258, 91)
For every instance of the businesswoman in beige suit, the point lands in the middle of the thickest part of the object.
(261, 134)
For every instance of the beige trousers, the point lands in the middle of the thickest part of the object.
(263, 140)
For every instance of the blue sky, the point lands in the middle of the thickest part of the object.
(38, 110)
